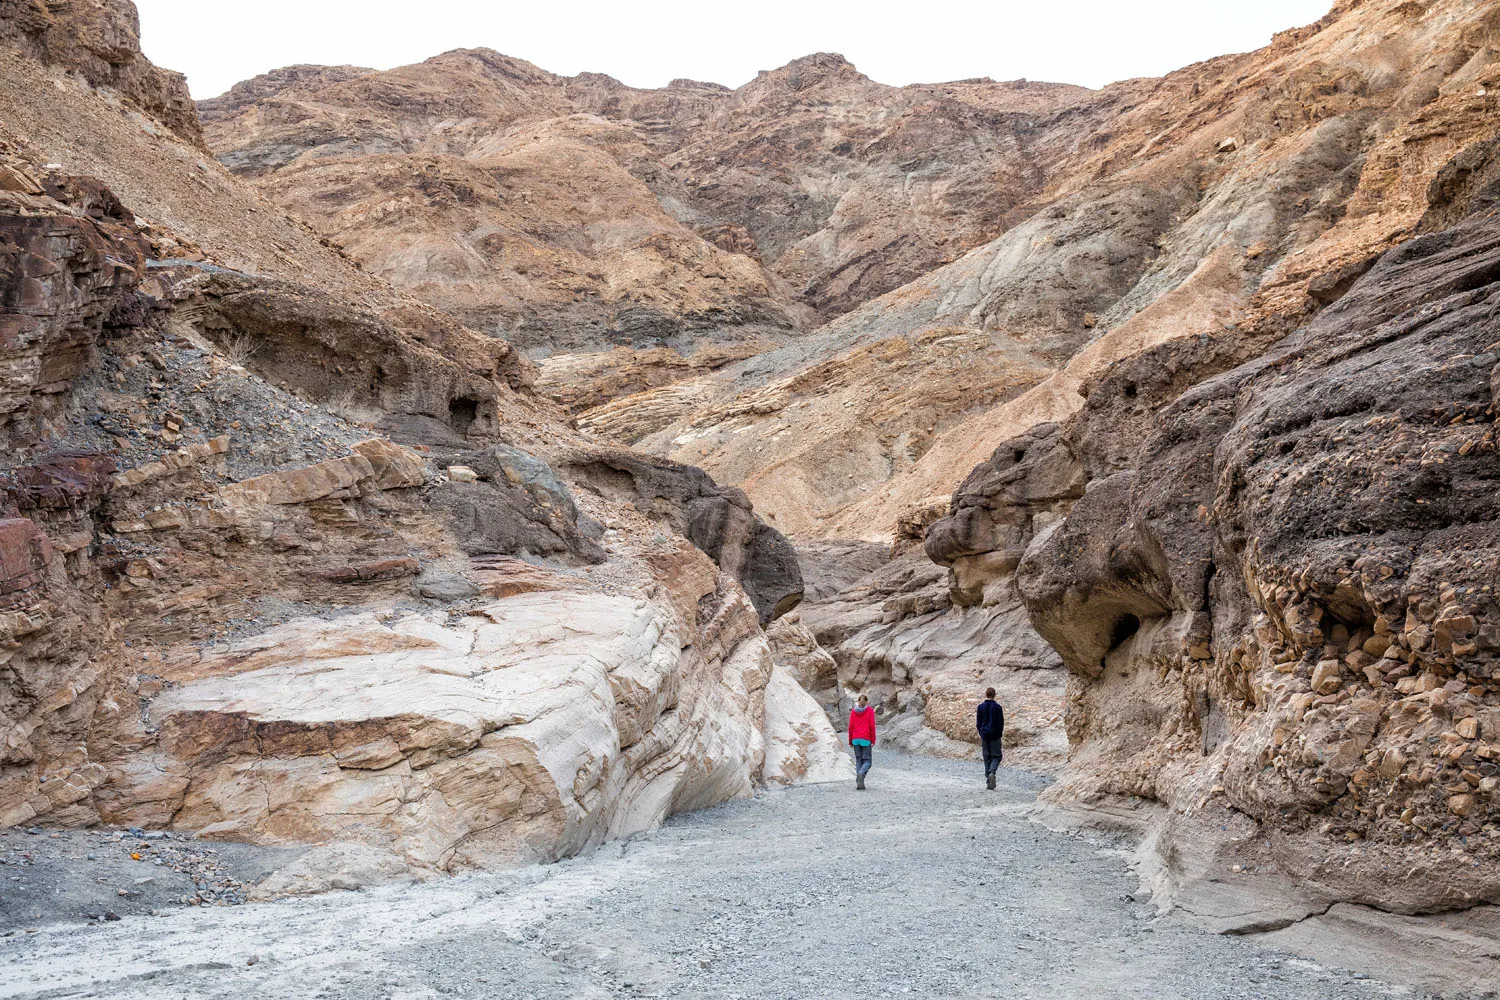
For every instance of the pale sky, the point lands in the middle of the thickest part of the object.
(645, 44)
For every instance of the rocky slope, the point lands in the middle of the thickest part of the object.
(1232, 199)
(577, 212)
(101, 42)
(232, 605)
(975, 251)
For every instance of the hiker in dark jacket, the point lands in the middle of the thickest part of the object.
(990, 721)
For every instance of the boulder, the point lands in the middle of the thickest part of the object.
(490, 518)
(801, 745)
(446, 587)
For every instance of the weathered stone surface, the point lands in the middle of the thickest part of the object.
(800, 742)
(720, 214)
(392, 466)
(417, 369)
(25, 554)
(446, 587)
(61, 280)
(497, 518)
(994, 513)
(1329, 502)
(232, 366)
(542, 725)
(313, 482)
(378, 571)
(719, 520)
(795, 650)
(58, 481)
(101, 41)
(502, 576)
(461, 474)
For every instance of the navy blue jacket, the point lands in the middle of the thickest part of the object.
(990, 720)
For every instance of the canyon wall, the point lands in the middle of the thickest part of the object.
(232, 605)
(466, 519)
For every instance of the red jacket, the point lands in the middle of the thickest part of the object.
(862, 725)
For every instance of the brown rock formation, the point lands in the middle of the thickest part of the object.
(67, 269)
(719, 520)
(1216, 353)
(1154, 229)
(133, 700)
(1233, 199)
(190, 536)
(1307, 551)
(1274, 601)
(810, 189)
(102, 42)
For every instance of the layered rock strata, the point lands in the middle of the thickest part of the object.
(1271, 588)
(719, 520)
(219, 578)
(1298, 573)
(710, 213)
(1232, 199)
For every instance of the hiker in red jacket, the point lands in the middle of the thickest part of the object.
(862, 739)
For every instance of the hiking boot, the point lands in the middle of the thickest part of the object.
(859, 782)
(989, 781)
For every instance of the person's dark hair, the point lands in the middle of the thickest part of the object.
(989, 692)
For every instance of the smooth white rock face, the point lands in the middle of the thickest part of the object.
(531, 729)
(801, 744)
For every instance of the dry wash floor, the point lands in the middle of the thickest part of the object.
(923, 886)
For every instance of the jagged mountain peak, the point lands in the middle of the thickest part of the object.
(810, 70)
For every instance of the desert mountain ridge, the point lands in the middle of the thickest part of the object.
(818, 287)
(814, 62)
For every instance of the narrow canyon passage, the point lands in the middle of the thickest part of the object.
(925, 885)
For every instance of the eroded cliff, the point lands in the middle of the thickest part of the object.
(233, 605)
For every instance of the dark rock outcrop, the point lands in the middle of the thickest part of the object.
(717, 519)
(63, 277)
(1292, 593)
(1467, 184)
(333, 351)
(517, 507)
(1025, 484)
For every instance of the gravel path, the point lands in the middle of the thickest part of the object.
(925, 886)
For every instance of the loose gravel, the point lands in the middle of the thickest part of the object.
(925, 885)
(77, 876)
(124, 402)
